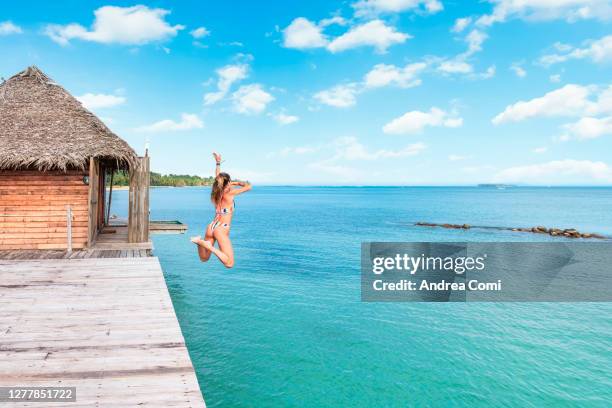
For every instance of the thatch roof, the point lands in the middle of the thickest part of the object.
(43, 127)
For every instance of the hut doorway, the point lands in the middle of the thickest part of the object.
(131, 226)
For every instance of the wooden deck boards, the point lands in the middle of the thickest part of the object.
(14, 254)
(104, 326)
(118, 239)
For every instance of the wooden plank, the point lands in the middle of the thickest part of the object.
(28, 212)
(36, 183)
(105, 326)
(24, 239)
(7, 254)
(69, 197)
(48, 189)
(53, 173)
(28, 245)
(42, 221)
(4, 236)
(122, 245)
(41, 206)
(29, 228)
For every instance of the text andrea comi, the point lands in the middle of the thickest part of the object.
(434, 265)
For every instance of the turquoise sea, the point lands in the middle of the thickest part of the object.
(286, 327)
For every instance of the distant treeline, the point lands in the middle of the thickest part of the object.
(174, 180)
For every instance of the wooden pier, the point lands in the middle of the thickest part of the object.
(103, 325)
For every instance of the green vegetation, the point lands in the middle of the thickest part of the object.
(174, 180)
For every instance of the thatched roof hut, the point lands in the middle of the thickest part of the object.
(55, 157)
(43, 127)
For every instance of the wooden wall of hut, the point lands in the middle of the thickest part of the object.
(33, 209)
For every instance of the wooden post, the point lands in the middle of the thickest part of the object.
(138, 218)
(101, 195)
(94, 185)
(69, 228)
(110, 197)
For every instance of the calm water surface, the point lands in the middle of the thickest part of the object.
(286, 327)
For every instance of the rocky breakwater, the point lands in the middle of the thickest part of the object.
(554, 232)
(558, 232)
(450, 226)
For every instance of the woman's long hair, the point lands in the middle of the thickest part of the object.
(218, 187)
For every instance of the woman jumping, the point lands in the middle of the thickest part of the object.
(222, 196)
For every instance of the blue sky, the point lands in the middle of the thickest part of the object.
(376, 92)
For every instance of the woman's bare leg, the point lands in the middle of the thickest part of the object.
(225, 253)
(203, 252)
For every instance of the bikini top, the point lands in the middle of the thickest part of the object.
(226, 210)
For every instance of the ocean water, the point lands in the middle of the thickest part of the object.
(285, 326)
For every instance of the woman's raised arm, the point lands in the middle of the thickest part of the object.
(243, 187)
(217, 157)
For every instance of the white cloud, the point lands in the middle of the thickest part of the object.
(188, 121)
(333, 20)
(570, 100)
(489, 73)
(597, 51)
(231, 44)
(455, 67)
(603, 103)
(7, 28)
(457, 157)
(540, 150)
(289, 151)
(460, 65)
(415, 121)
(349, 148)
(340, 96)
(228, 75)
(135, 25)
(199, 32)
(251, 99)
(383, 75)
(375, 7)
(556, 78)
(97, 101)
(585, 102)
(588, 128)
(303, 34)
(542, 10)
(561, 47)
(518, 70)
(299, 150)
(558, 172)
(475, 38)
(374, 33)
(284, 119)
(461, 24)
